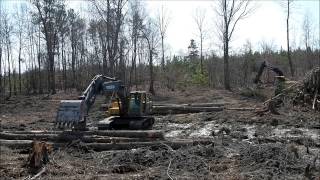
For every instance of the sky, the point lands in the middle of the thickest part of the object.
(266, 24)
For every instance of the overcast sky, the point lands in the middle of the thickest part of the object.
(267, 23)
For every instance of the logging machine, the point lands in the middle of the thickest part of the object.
(127, 110)
(280, 81)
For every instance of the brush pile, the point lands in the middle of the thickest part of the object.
(309, 92)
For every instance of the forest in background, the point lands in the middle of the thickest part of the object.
(46, 47)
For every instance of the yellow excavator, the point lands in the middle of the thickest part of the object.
(128, 110)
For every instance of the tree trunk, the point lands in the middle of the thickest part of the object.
(288, 43)
(64, 65)
(9, 70)
(51, 68)
(151, 88)
(19, 59)
(226, 66)
(1, 71)
(162, 59)
(39, 64)
(73, 64)
(201, 56)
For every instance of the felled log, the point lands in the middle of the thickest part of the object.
(66, 137)
(16, 144)
(241, 109)
(23, 144)
(110, 133)
(134, 145)
(183, 109)
(193, 104)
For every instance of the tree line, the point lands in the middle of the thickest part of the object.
(47, 47)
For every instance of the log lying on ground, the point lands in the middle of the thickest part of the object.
(110, 133)
(183, 109)
(194, 104)
(241, 109)
(23, 144)
(66, 137)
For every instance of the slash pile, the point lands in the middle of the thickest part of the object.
(308, 93)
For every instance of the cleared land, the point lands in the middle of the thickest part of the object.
(243, 144)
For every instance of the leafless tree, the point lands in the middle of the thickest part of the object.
(307, 33)
(111, 12)
(135, 20)
(20, 17)
(1, 44)
(49, 15)
(231, 12)
(199, 18)
(288, 6)
(7, 30)
(151, 36)
(163, 20)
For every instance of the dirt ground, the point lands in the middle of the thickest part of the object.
(245, 145)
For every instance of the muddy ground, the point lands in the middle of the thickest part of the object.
(245, 145)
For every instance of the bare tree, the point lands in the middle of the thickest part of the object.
(1, 44)
(111, 12)
(150, 35)
(199, 18)
(288, 6)
(163, 20)
(307, 32)
(49, 15)
(7, 30)
(230, 12)
(21, 14)
(135, 20)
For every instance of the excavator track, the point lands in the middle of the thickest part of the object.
(132, 123)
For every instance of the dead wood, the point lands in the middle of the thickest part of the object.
(110, 133)
(66, 137)
(183, 109)
(193, 105)
(241, 109)
(23, 144)
(43, 170)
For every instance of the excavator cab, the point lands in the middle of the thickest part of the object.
(139, 106)
(138, 101)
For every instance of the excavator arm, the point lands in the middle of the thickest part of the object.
(74, 112)
(270, 67)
